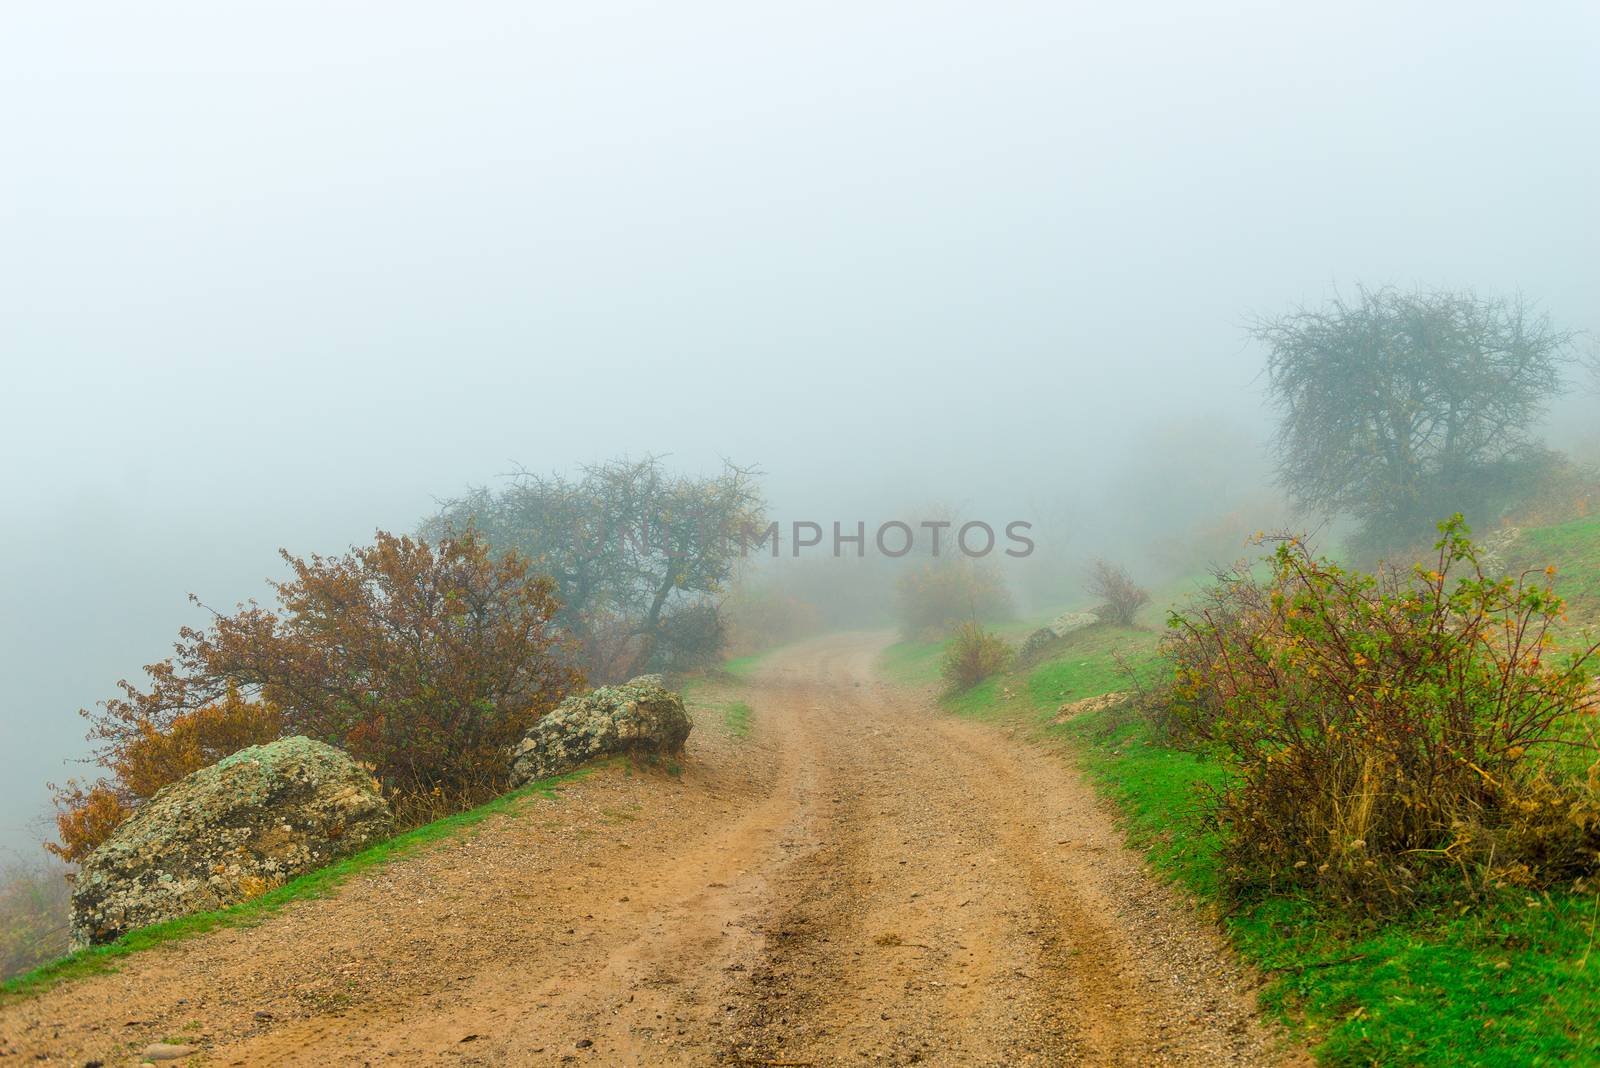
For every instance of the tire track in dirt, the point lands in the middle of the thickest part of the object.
(973, 906)
(863, 881)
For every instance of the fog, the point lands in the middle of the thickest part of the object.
(281, 274)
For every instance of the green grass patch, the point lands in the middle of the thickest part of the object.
(1573, 549)
(1511, 979)
(988, 700)
(97, 960)
(736, 717)
(743, 667)
(912, 663)
(1156, 789)
(1088, 662)
(1094, 661)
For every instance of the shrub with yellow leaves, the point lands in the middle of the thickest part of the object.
(1382, 727)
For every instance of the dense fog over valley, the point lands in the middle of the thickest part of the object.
(282, 275)
(903, 534)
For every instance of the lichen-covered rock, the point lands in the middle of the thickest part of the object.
(226, 833)
(1067, 622)
(1036, 643)
(638, 716)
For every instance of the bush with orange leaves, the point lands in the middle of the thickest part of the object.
(144, 759)
(1381, 729)
(86, 815)
(425, 662)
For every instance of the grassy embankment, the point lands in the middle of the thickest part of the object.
(707, 695)
(1573, 549)
(1513, 979)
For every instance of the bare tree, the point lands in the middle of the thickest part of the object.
(629, 544)
(1122, 596)
(1399, 405)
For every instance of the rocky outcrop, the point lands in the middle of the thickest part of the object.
(1074, 709)
(227, 833)
(1037, 642)
(638, 716)
(1067, 622)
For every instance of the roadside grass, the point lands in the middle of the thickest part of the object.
(1096, 660)
(743, 667)
(1509, 978)
(1090, 662)
(704, 696)
(1505, 980)
(736, 717)
(912, 663)
(1573, 549)
(97, 960)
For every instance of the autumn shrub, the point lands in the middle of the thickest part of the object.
(1380, 729)
(145, 758)
(1120, 597)
(424, 662)
(974, 654)
(149, 758)
(86, 814)
(936, 596)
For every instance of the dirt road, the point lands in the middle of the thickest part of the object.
(861, 881)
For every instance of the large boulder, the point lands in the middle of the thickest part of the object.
(638, 716)
(226, 833)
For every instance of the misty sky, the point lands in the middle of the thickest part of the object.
(281, 273)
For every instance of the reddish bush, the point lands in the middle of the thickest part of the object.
(149, 759)
(425, 662)
(85, 817)
(145, 758)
